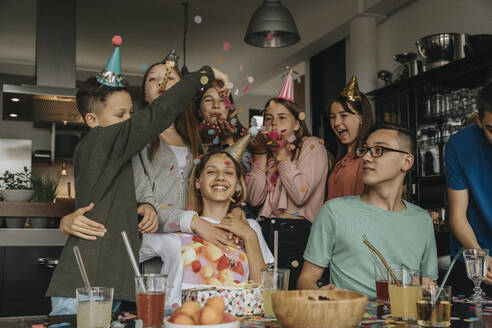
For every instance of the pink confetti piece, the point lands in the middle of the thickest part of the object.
(173, 226)
(292, 138)
(245, 89)
(175, 306)
(269, 188)
(172, 168)
(241, 68)
(227, 46)
(227, 102)
(270, 36)
(232, 106)
(273, 179)
(281, 143)
(256, 163)
(197, 19)
(246, 179)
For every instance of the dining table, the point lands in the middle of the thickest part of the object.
(464, 314)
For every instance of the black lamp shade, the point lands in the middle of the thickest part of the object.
(272, 26)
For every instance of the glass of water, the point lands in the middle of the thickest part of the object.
(476, 269)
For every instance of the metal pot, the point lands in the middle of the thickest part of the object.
(410, 66)
(443, 48)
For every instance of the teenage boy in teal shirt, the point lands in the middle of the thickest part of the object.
(401, 231)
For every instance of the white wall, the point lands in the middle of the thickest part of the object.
(420, 18)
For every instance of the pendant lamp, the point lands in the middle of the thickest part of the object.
(272, 26)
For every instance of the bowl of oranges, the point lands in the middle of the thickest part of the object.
(212, 315)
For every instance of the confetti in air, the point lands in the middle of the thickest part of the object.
(220, 60)
(270, 36)
(227, 46)
(250, 79)
(241, 68)
(143, 67)
(164, 207)
(229, 85)
(245, 89)
(236, 92)
(197, 19)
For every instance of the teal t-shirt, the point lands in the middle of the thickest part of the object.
(405, 237)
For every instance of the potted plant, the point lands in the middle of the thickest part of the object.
(17, 188)
(44, 192)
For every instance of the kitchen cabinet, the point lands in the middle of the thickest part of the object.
(23, 282)
(434, 105)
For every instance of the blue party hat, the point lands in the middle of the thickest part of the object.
(111, 74)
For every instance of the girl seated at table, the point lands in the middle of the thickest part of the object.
(216, 187)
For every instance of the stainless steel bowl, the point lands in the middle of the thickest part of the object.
(443, 47)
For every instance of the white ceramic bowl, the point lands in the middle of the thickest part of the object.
(17, 195)
(234, 324)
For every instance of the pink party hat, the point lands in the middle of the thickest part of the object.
(287, 91)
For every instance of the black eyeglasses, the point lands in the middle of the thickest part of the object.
(376, 151)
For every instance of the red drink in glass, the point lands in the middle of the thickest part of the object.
(150, 308)
(382, 293)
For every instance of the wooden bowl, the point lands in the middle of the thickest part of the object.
(294, 308)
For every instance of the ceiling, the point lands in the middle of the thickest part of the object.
(151, 27)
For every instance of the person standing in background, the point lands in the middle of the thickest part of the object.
(350, 119)
(468, 164)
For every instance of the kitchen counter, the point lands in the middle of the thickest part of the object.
(32, 237)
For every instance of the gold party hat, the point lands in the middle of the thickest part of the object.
(351, 90)
(237, 149)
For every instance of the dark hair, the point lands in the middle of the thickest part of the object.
(193, 197)
(404, 133)
(198, 100)
(303, 131)
(363, 108)
(484, 100)
(185, 123)
(92, 91)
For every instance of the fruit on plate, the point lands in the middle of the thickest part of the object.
(191, 313)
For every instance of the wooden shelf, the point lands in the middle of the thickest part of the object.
(30, 209)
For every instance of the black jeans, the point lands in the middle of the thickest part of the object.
(293, 235)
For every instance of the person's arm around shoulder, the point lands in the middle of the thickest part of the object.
(78, 225)
(241, 228)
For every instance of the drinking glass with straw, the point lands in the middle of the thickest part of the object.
(133, 261)
(82, 270)
(93, 303)
(273, 280)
